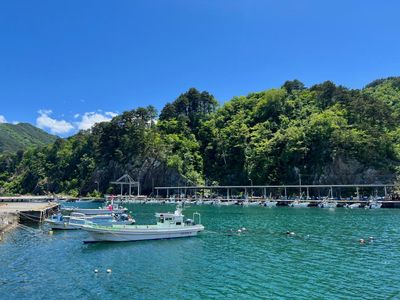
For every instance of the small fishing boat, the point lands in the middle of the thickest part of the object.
(353, 205)
(169, 225)
(270, 203)
(105, 210)
(374, 205)
(76, 220)
(327, 204)
(299, 203)
(224, 203)
(152, 201)
(208, 202)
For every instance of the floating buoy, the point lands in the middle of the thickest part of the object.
(239, 231)
(96, 271)
(108, 270)
(362, 241)
(371, 238)
(244, 229)
(50, 232)
(290, 233)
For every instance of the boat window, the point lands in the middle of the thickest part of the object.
(178, 223)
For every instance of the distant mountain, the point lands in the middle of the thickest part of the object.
(22, 135)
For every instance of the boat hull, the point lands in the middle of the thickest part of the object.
(62, 225)
(299, 204)
(74, 224)
(111, 235)
(91, 211)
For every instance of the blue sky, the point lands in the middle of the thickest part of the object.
(67, 64)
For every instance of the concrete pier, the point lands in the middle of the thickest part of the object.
(27, 198)
(29, 211)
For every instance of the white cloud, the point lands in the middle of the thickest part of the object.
(44, 121)
(2, 119)
(111, 114)
(82, 121)
(91, 118)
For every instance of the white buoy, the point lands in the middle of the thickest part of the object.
(108, 270)
(244, 229)
(239, 231)
(96, 271)
(50, 232)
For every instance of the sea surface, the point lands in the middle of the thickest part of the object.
(322, 260)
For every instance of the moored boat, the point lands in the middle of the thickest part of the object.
(374, 205)
(270, 203)
(76, 220)
(299, 203)
(353, 205)
(105, 210)
(327, 204)
(169, 225)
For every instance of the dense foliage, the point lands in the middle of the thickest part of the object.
(14, 137)
(323, 134)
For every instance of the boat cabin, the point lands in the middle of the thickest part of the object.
(168, 219)
(59, 218)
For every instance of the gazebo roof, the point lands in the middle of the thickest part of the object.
(125, 179)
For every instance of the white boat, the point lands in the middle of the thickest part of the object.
(327, 204)
(152, 201)
(169, 225)
(374, 205)
(299, 203)
(106, 210)
(208, 202)
(270, 203)
(354, 205)
(254, 203)
(224, 203)
(76, 220)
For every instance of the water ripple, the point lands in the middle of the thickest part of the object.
(323, 259)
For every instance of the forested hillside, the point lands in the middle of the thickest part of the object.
(325, 134)
(22, 135)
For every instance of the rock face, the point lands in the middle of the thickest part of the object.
(150, 175)
(349, 171)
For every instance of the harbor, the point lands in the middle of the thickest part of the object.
(282, 195)
(324, 248)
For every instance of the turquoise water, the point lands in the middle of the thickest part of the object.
(322, 260)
